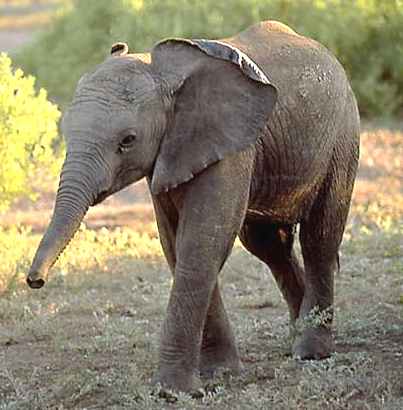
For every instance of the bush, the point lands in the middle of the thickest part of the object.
(365, 35)
(28, 126)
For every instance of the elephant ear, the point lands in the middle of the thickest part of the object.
(119, 49)
(221, 103)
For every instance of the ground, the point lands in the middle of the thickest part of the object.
(89, 338)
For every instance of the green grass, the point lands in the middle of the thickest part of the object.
(89, 338)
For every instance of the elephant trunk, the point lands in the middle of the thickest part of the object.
(77, 191)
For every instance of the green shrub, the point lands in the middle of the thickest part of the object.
(365, 35)
(28, 126)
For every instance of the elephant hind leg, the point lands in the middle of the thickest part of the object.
(320, 236)
(218, 348)
(273, 244)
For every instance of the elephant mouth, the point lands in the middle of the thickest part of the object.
(124, 178)
(101, 196)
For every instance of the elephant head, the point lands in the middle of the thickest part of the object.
(166, 115)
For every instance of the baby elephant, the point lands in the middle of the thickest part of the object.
(248, 136)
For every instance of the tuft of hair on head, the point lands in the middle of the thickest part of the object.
(119, 49)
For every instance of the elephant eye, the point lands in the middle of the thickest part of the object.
(127, 142)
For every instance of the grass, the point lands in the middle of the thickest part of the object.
(89, 339)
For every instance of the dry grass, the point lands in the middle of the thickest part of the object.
(89, 339)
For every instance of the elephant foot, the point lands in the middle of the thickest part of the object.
(217, 360)
(314, 344)
(169, 383)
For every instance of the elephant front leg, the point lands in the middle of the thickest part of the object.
(182, 329)
(191, 295)
(211, 212)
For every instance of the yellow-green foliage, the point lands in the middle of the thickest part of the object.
(28, 126)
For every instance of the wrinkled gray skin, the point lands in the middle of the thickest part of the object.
(229, 147)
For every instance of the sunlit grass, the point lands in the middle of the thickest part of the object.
(94, 249)
(89, 250)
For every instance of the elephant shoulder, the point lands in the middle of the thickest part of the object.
(273, 26)
(273, 37)
(267, 30)
(281, 53)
